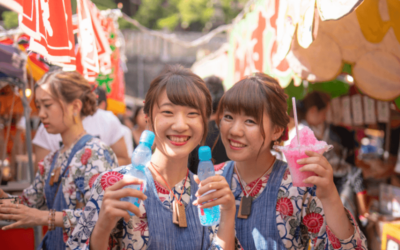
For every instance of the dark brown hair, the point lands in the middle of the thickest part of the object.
(136, 113)
(253, 96)
(214, 85)
(316, 98)
(69, 86)
(183, 88)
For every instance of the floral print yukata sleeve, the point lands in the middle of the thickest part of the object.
(300, 216)
(133, 234)
(84, 168)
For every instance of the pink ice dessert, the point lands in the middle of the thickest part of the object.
(294, 152)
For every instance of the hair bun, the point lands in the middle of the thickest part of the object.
(89, 104)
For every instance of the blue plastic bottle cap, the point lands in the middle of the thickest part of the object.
(204, 153)
(147, 137)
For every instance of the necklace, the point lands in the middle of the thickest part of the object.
(178, 214)
(55, 174)
(246, 201)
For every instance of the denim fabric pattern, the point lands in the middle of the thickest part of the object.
(166, 235)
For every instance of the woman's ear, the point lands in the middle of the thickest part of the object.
(77, 107)
(278, 130)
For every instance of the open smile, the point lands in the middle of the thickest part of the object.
(236, 145)
(178, 140)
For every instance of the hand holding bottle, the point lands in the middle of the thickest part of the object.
(113, 209)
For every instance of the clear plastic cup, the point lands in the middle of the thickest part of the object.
(293, 154)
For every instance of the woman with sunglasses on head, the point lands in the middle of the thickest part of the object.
(64, 178)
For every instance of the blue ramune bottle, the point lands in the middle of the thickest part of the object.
(208, 216)
(140, 158)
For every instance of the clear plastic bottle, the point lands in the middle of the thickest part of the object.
(208, 216)
(140, 158)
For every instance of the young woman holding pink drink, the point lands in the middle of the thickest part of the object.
(271, 212)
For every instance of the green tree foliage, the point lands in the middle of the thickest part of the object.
(10, 19)
(195, 15)
(187, 14)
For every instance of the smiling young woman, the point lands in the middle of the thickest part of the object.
(272, 213)
(177, 106)
(65, 176)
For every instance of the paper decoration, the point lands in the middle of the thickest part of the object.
(14, 5)
(383, 111)
(369, 110)
(87, 42)
(346, 110)
(49, 24)
(337, 111)
(333, 10)
(102, 44)
(356, 104)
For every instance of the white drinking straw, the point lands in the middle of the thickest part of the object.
(295, 119)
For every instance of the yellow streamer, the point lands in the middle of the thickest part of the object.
(394, 13)
(371, 23)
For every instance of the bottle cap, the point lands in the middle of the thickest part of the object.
(147, 137)
(204, 153)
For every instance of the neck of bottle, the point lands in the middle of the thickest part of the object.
(146, 144)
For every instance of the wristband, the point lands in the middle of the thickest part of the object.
(51, 220)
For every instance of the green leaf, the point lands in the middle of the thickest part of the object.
(318, 210)
(10, 19)
(280, 194)
(169, 22)
(313, 205)
(105, 80)
(397, 102)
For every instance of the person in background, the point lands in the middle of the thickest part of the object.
(62, 183)
(102, 104)
(139, 124)
(102, 124)
(348, 179)
(214, 85)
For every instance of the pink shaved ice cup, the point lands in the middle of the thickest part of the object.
(294, 152)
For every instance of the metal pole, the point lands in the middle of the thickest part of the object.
(387, 141)
(37, 230)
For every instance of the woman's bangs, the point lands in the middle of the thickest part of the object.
(244, 97)
(183, 92)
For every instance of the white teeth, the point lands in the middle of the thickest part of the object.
(178, 139)
(237, 145)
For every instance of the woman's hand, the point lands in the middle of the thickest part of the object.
(335, 214)
(23, 216)
(3, 194)
(112, 209)
(318, 164)
(222, 195)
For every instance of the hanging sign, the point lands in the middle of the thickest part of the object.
(383, 111)
(346, 110)
(369, 110)
(337, 111)
(356, 104)
(49, 24)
